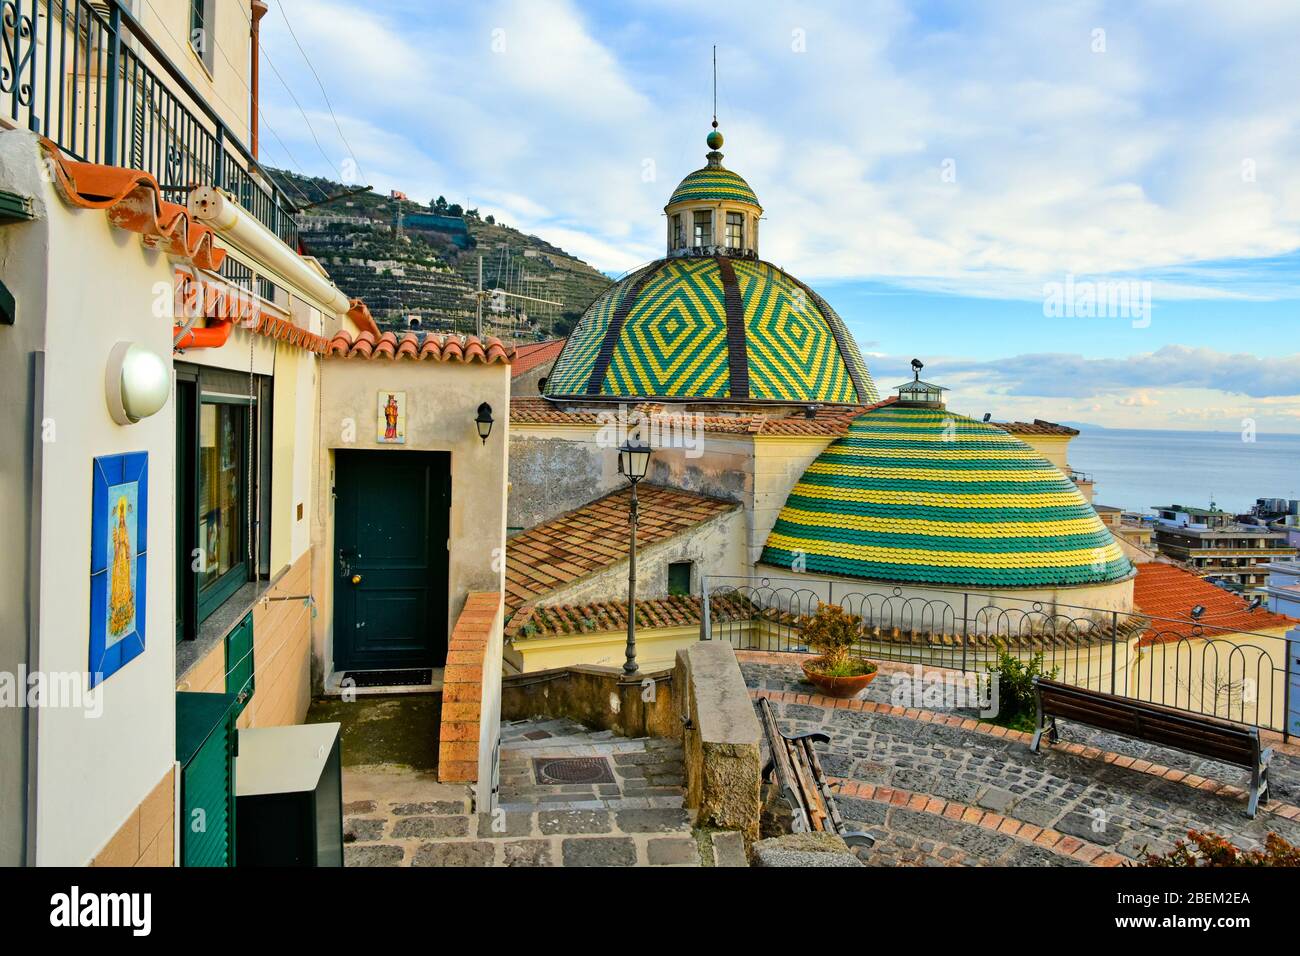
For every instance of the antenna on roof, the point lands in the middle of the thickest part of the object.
(988, 416)
(917, 365)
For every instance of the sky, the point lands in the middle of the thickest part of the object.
(1078, 211)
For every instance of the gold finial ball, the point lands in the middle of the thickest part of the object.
(714, 140)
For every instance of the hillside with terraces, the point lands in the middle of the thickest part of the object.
(422, 272)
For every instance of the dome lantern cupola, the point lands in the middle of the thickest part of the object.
(919, 394)
(713, 211)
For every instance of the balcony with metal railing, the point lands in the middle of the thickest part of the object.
(87, 76)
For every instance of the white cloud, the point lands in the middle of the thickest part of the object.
(1067, 160)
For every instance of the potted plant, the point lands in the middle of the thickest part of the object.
(835, 671)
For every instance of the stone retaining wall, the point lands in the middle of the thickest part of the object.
(601, 698)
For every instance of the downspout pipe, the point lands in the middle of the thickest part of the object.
(211, 336)
(259, 10)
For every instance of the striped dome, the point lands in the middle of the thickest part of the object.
(922, 495)
(713, 182)
(711, 328)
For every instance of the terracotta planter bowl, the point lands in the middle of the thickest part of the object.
(839, 687)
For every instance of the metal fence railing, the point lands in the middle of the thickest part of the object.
(87, 76)
(1195, 666)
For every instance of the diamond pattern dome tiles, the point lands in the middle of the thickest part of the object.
(673, 329)
(675, 336)
(926, 496)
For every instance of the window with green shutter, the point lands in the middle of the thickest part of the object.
(239, 663)
(206, 746)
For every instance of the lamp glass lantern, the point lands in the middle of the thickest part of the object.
(483, 421)
(634, 460)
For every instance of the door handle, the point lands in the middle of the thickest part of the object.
(356, 579)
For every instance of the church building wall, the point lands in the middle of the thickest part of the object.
(779, 463)
(554, 469)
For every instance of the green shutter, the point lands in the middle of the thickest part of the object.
(206, 745)
(239, 662)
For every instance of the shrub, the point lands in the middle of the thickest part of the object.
(1016, 688)
(1211, 849)
(832, 633)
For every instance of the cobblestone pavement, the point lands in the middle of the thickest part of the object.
(912, 769)
(638, 820)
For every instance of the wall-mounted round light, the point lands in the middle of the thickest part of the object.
(483, 421)
(137, 383)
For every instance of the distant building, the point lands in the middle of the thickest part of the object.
(533, 362)
(1219, 547)
(451, 226)
(1133, 534)
(1283, 588)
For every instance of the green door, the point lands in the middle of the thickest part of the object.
(390, 543)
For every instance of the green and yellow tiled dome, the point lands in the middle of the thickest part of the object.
(924, 496)
(711, 328)
(713, 182)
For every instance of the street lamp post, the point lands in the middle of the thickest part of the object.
(633, 463)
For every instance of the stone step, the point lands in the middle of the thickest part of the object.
(666, 802)
(728, 848)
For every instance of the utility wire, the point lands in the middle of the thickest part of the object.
(233, 109)
(330, 106)
(262, 52)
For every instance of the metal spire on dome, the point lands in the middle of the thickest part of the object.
(714, 139)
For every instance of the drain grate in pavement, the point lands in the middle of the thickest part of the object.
(419, 677)
(572, 770)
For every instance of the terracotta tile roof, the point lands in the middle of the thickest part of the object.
(535, 410)
(419, 347)
(533, 354)
(828, 422)
(133, 201)
(1036, 427)
(1166, 591)
(593, 537)
(533, 622)
(360, 315)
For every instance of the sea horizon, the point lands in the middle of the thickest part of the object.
(1138, 468)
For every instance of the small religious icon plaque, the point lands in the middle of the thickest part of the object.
(119, 526)
(392, 418)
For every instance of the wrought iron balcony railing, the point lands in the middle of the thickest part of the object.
(1199, 666)
(87, 76)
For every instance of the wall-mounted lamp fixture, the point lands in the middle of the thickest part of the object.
(483, 421)
(137, 383)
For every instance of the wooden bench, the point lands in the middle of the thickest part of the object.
(801, 781)
(1212, 737)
